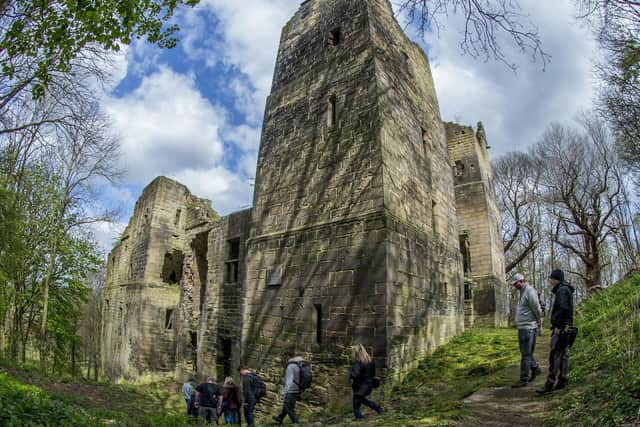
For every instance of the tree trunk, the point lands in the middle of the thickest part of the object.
(45, 301)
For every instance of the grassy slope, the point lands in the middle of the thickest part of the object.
(604, 381)
(605, 360)
(86, 403)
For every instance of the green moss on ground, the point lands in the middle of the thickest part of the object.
(604, 382)
(432, 393)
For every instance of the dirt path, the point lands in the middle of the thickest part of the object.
(506, 406)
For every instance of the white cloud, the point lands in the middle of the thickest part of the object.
(106, 234)
(250, 31)
(516, 107)
(227, 191)
(166, 125)
(245, 137)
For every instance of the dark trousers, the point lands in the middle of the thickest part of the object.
(558, 361)
(208, 415)
(527, 342)
(289, 407)
(249, 406)
(359, 401)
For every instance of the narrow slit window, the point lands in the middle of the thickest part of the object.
(168, 319)
(335, 37)
(465, 249)
(425, 144)
(318, 316)
(332, 112)
(178, 215)
(434, 217)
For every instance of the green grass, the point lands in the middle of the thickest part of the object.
(604, 382)
(67, 401)
(605, 360)
(27, 405)
(432, 393)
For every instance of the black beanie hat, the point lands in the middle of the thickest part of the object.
(557, 274)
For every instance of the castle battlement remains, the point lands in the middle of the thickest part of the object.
(373, 222)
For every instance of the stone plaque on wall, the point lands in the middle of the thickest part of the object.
(274, 276)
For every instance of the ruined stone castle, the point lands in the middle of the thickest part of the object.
(373, 222)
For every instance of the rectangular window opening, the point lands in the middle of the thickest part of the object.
(168, 319)
(178, 215)
(467, 290)
(318, 316)
(334, 37)
(232, 274)
(332, 114)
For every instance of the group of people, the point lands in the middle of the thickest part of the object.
(208, 402)
(528, 320)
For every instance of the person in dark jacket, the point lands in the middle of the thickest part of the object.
(248, 380)
(561, 319)
(231, 402)
(208, 396)
(362, 376)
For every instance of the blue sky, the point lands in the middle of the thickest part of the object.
(194, 113)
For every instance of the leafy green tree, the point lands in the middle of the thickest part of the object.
(41, 38)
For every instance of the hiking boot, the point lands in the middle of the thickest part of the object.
(548, 388)
(520, 384)
(534, 373)
(277, 420)
(561, 385)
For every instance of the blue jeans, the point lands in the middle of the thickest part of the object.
(230, 416)
(527, 342)
(360, 400)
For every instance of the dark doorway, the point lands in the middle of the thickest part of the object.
(224, 357)
(194, 350)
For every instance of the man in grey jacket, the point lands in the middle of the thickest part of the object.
(291, 391)
(528, 317)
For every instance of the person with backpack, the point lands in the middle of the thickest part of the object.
(297, 378)
(253, 389)
(363, 381)
(208, 398)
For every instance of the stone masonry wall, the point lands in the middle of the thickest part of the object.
(142, 291)
(315, 266)
(320, 276)
(479, 219)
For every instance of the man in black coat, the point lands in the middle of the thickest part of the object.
(561, 319)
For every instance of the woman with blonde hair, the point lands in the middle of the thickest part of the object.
(363, 380)
(231, 402)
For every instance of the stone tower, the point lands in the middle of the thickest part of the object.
(142, 289)
(354, 234)
(480, 239)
